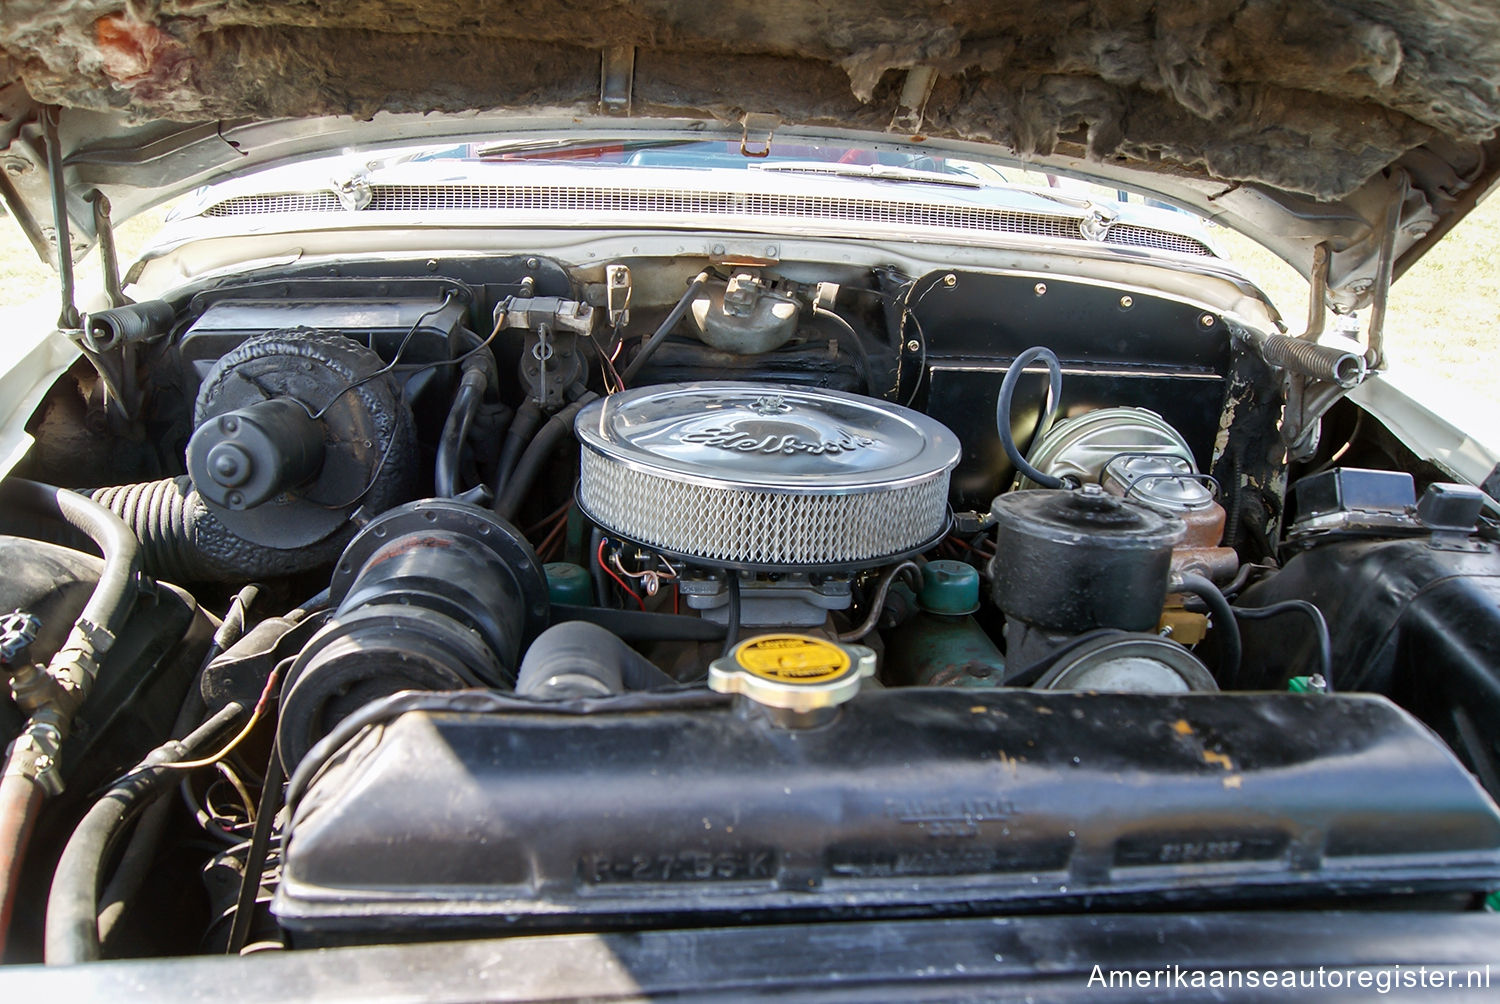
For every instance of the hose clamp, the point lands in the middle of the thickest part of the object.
(34, 756)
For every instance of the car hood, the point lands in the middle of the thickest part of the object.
(1299, 123)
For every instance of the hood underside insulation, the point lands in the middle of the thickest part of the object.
(1307, 97)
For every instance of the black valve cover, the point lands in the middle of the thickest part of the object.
(480, 812)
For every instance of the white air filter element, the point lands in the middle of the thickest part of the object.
(761, 476)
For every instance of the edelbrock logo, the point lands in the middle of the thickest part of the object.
(730, 438)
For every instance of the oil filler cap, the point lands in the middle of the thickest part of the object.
(792, 672)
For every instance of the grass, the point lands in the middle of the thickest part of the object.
(1443, 325)
(23, 276)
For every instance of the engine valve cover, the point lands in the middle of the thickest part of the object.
(477, 811)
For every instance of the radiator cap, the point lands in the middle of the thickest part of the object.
(798, 673)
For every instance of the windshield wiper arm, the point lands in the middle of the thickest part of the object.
(870, 172)
(543, 147)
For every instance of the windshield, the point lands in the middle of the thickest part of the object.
(697, 154)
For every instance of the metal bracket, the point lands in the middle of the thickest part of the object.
(1384, 266)
(109, 261)
(912, 104)
(1095, 226)
(353, 191)
(756, 123)
(617, 294)
(1317, 293)
(616, 79)
(528, 312)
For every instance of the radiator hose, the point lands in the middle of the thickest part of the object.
(577, 659)
(558, 428)
(30, 770)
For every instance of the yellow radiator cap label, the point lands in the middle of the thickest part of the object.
(795, 672)
(792, 658)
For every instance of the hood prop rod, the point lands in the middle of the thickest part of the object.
(63, 238)
(118, 380)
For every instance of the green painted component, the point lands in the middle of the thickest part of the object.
(933, 650)
(568, 583)
(949, 587)
(1298, 685)
(1492, 902)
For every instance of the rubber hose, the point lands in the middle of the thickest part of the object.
(20, 800)
(1226, 628)
(877, 602)
(639, 625)
(1313, 614)
(182, 541)
(602, 595)
(558, 428)
(577, 659)
(140, 851)
(114, 596)
(72, 933)
(861, 354)
(1003, 409)
(1234, 507)
(651, 344)
(528, 417)
(456, 432)
(732, 628)
(95, 628)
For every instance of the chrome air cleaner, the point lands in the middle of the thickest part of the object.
(763, 477)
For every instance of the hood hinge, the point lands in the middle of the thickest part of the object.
(755, 124)
(1318, 375)
(912, 104)
(616, 79)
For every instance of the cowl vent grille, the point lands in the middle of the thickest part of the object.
(595, 200)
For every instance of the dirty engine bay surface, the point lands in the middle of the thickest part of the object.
(506, 595)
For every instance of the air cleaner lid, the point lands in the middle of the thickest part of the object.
(768, 437)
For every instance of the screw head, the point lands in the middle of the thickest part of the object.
(229, 465)
(772, 250)
(1040, 289)
(1127, 302)
(913, 345)
(717, 249)
(532, 263)
(950, 280)
(1207, 320)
